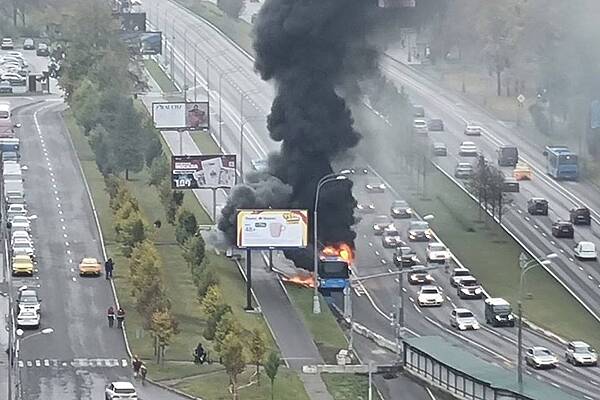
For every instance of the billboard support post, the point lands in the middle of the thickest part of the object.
(270, 260)
(248, 280)
(214, 204)
(195, 78)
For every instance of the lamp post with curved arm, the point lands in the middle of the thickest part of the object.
(337, 176)
(526, 266)
(221, 75)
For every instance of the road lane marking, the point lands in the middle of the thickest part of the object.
(63, 227)
(553, 243)
(29, 364)
(21, 364)
(376, 252)
(66, 243)
(383, 261)
(65, 235)
(38, 363)
(535, 226)
(591, 278)
(74, 279)
(46, 363)
(544, 234)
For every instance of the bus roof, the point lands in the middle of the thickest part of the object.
(559, 150)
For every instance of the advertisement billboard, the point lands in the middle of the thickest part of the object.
(179, 115)
(133, 22)
(396, 3)
(203, 171)
(269, 228)
(143, 42)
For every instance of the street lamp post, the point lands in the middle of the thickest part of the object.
(339, 176)
(243, 96)
(221, 75)
(526, 266)
(19, 333)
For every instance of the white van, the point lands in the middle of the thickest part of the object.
(585, 251)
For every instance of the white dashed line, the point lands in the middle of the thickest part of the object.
(376, 253)
(64, 227)
(46, 363)
(526, 218)
(519, 211)
(62, 220)
(65, 235)
(58, 205)
(70, 261)
(535, 226)
(67, 244)
(390, 270)
(59, 212)
(69, 252)
(555, 384)
(561, 250)
(591, 278)
(544, 234)
(581, 268)
(571, 259)
(370, 244)
(74, 279)
(58, 199)
(404, 290)
(38, 363)
(411, 299)
(553, 243)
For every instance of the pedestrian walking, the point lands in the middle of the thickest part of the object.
(120, 317)
(136, 364)
(143, 372)
(110, 314)
(108, 268)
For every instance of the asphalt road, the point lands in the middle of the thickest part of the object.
(495, 345)
(82, 355)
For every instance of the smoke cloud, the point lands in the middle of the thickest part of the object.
(316, 52)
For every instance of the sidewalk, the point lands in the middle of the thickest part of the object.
(293, 339)
(4, 364)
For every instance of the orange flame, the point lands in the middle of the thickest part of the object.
(300, 279)
(341, 250)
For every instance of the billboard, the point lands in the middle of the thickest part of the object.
(133, 22)
(143, 42)
(269, 228)
(179, 115)
(203, 171)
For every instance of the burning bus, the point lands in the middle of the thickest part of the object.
(334, 268)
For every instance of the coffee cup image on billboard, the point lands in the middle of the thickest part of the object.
(196, 116)
(276, 229)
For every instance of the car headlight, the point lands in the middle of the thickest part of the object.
(464, 290)
(498, 317)
(428, 233)
(510, 316)
(476, 325)
(478, 291)
(461, 326)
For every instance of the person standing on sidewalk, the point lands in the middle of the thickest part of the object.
(108, 268)
(120, 317)
(110, 314)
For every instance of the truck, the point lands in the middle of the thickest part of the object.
(508, 155)
(561, 163)
(498, 312)
(10, 145)
(13, 192)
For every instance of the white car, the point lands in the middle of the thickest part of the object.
(21, 235)
(120, 390)
(581, 353)
(20, 218)
(12, 77)
(21, 226)
(27, 299)
(430, 296)
(467, 149)
(16, 209)
(28, 318)
(585, 251)
(420, 126)
(540, 357)
(22, 246)
(375, 187)
(7, 44)
(463, 319)
(437, 253)
(457, 274)
(473, 129)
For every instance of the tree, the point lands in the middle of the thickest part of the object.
(203, 279)
(171, 200)
(85, 103)
(126, 141)
(213, 321)
(163, 328)
(98, 138)
(193, 252)
(233, 358)
(257, 349)
(131, 231)
(233, 8)
(159, 171)
(227, 324)
(187, 226)
(271, 369)
(144, 266)
(153, 148)
(211, 302)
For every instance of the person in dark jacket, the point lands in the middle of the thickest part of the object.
(120, 317)
(108, 268)
(110, 314)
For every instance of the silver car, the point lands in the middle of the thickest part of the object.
(581, 353)
(540, 357)
(463, 319)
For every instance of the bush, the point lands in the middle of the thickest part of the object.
(204, 280)
(158, 172)
(212, 322)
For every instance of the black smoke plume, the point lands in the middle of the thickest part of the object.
(316, 52)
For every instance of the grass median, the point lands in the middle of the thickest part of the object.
(178, 367)
(160, 77)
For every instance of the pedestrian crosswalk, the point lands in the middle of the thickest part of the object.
(75, 363)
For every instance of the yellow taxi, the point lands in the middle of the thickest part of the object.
(90, 266)
(22, 265)
(522, 172)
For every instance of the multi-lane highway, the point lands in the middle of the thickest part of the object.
(82, 354)
(238, 77)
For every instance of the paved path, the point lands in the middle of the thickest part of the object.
(293, 339)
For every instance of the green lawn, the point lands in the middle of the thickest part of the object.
(326, 333)
(161, 78)
(238, 30)
(349, 386)
(205, 143)
(174, 370)
(215, 387)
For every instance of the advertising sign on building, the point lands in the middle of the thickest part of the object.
(269, 228)
(143, 42)
(179, 115)
(203, 171)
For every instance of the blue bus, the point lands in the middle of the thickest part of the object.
(334, 274)
(561, 163)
